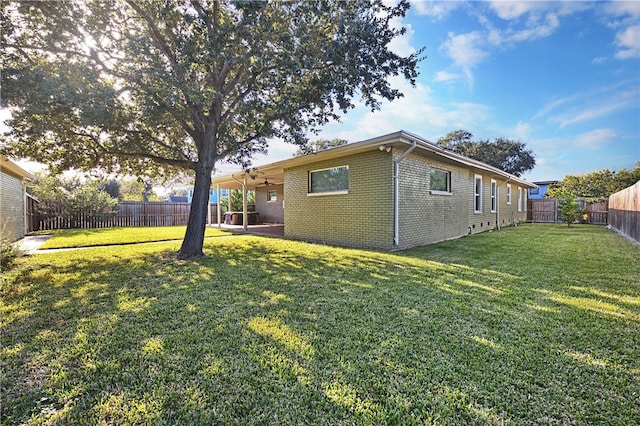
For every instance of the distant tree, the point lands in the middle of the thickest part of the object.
(454, 138)
(507, 155)
(112, 187)
(595, 186)
(132, 190)
(319, 145)
(236, 200)
(65, 196)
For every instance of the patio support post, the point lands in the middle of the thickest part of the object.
(218, 207)
(245, 215)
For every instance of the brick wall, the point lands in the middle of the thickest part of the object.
(364, 216)
(361, 218)
(270, 211)
(427, 218)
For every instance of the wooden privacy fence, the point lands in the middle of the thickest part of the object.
(49, 216)
(624, 211)
(547, 211)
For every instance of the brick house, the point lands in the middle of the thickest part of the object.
(12, 199)
(392, 192)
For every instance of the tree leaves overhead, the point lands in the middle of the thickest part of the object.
(507, 155)
(595, 186)
(126, 84)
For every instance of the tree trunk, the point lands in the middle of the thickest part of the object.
(194, 237)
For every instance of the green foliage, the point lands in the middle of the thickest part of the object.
(112, 187)
(8, 254)
(595, 186)
(134, 189)
(319, 145)
(507, 155)
(264, 331)
(154, 87)
(236, 200)
(570, 212)
(72, 194)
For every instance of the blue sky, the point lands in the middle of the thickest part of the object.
(562, 77)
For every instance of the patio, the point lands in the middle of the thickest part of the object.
(268, 229)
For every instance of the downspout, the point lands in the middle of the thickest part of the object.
(396, 194)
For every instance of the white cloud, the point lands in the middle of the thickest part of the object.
(595, 139)
(401, 45)
(628, 42)
(434, 9)
(521, 130)
(445, 77)
(465, 49)
(415, 112)
(589, 113)
(514, 9)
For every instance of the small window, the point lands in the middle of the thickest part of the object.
(272, 196)
(508, 193)
(494, 196)
(477, 196)
(534, 191)
(440, 181)
(334, 180)
(519, 199)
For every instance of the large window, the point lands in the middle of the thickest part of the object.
(477, 196)
(328, 181)
(440, 181)
(494, 196)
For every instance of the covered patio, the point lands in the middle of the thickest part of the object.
(268, 184)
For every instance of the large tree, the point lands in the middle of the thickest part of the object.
(595, 186)
(155, 86)
(505, 154)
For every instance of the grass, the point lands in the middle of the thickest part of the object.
(73, 238)
(538, 324)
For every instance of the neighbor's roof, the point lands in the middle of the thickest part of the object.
(9, 167)
(274, 172)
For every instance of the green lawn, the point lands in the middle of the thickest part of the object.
(66, 238)
(536, 324)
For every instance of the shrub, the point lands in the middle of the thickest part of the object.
(570, 211)
(8, 254)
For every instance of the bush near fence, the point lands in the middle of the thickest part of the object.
(50, 216)
(546, 210)
(624, 212)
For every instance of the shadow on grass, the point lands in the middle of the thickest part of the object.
(271, 331)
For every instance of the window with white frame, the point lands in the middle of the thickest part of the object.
(508, 193)
(272, 196)
(519, 199)
(329, 181)
(524, 200)
(440, 181)
(494, 196)
(477, 195)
